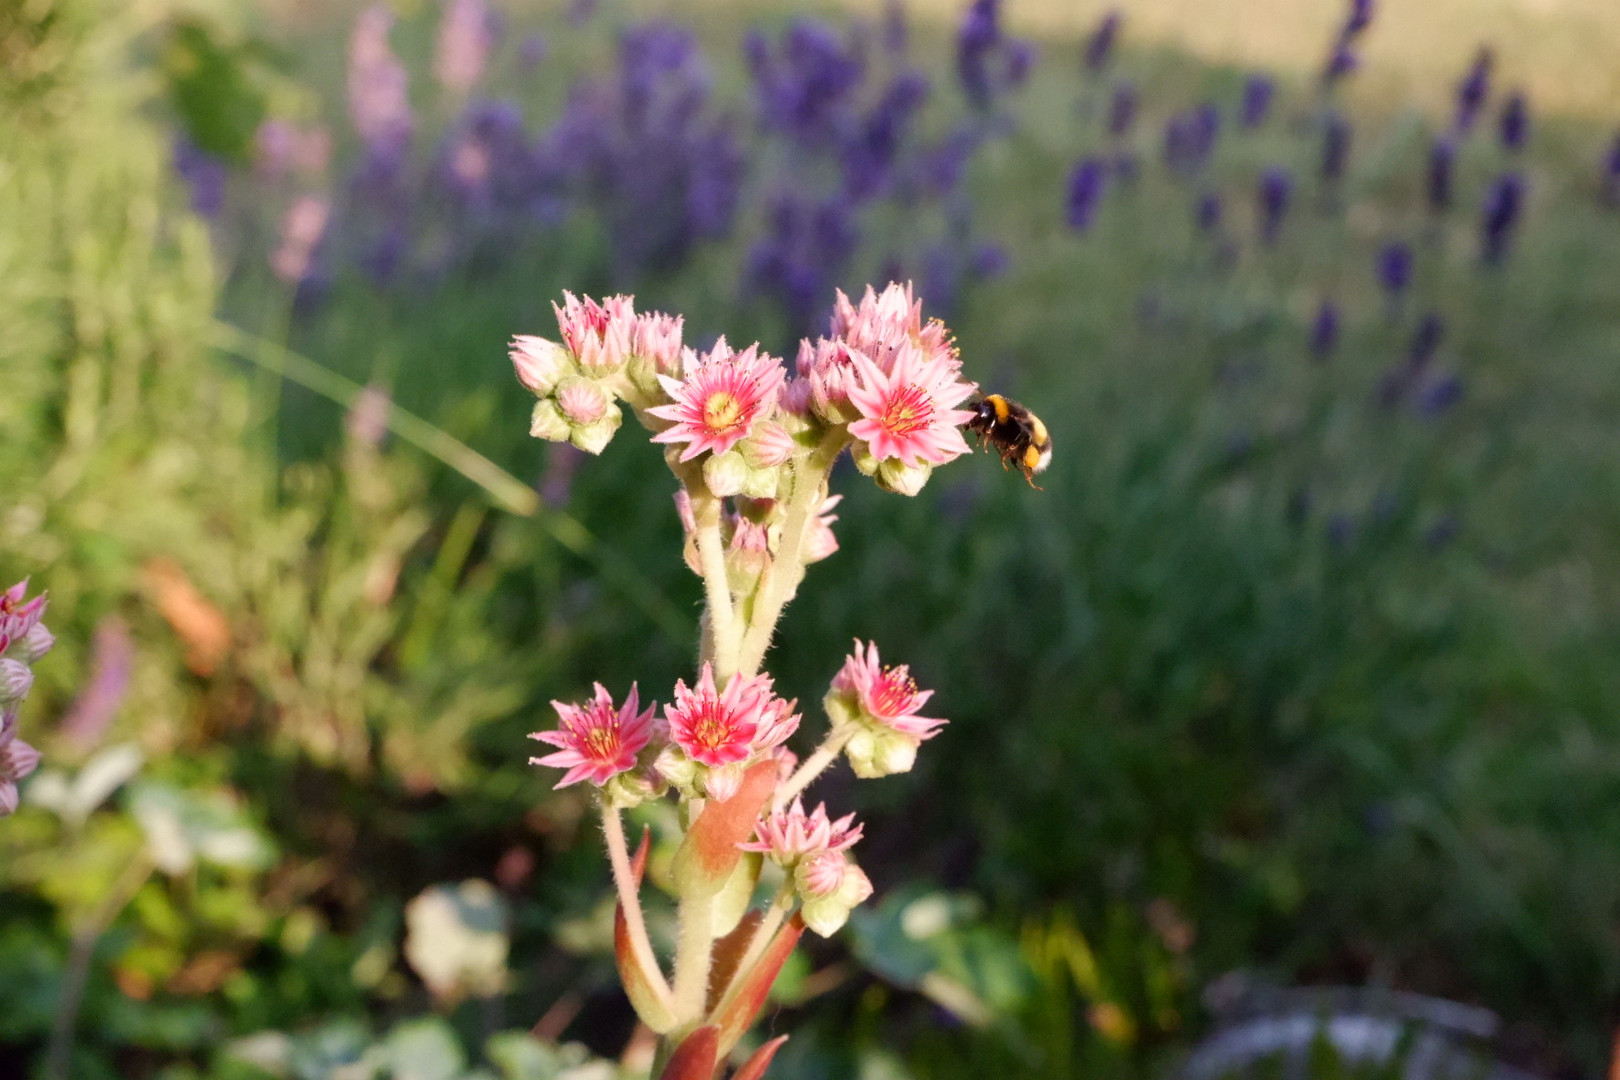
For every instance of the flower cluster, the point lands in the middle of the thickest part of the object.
(607, 352)
(23, 640)
(753, 448)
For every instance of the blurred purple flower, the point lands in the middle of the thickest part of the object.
(1442, 532)
(1086, 185)
(870, 154)
(1514, 123)
(1207, 212)
(803, 255)
(1275, 191)
(281, 149)
(1341, 62)
(1474, 88)
(466, 36)
(1122, 110)
(1503, 205)
(1335, 147)
(1100, 48)
(1439, 395)
(1426, 339)
(1442, 162)
(580, 11)
(1609, 182)
(806, 85)
(989, 261)
(1395, 268)
(1258, 92)
(1361, 15)
(1341, 531)
(378, 102)
(1324, 331)
(1189, 138)
(204, 176)
(987, 61)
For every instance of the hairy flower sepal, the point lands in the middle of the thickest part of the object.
(832, 886)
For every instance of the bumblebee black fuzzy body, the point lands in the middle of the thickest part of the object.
(1014, 432)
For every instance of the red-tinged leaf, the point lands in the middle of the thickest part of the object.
(696, 1057)
(742, 1005)
(728, 953)
(709, 854)
(638, 984)
(754, 1068)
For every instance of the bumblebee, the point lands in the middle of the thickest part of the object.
(1014, 432)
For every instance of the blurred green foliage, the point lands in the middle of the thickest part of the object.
(1195, 729)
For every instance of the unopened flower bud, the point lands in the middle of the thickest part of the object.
(865, 461)
(629, 789)
(593, 438)
(581, 400)
(540, 364)
(16, 679)
(747, 556)
(902, 479)
(34, 644)
(769, 446)
(821, 874)
(856, 887)
(762, 483)
(722, 783)
(548, 422)
(677, 769)
(725, 474)
(876, 753)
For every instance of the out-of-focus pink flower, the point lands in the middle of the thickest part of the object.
(599, 335)
(367, 419)
(882, 323)
(378, 103)
(822, 542)
(909, 413)
(16, 679)
(301, 232)
(597, 741)
(112, 661)
(658, 338)
(790, 835)
(887, 695)
(718, 728)
(17, 615)
(724, 395)
(466, 35)
(281, 148)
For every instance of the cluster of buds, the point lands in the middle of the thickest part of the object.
(752, 446)
(607, 353)
(23, 640)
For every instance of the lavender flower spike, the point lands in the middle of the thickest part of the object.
(1503, 204)
(1276, 190)
(1395, 269)
(1442, 161)
(1610, 183)
(1258, 91)
(1474, 88)
(1514, 124)
(1086, 185)
(1100, 49)
(1324, 331)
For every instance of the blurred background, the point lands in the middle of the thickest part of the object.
(1303, 671)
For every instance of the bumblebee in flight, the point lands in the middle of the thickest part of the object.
(1016, 434)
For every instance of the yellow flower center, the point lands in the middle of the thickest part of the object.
(907, 411)
(722, 412)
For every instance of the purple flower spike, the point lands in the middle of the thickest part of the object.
(1100, 49)
(1438, 396)
(1258, 91)
(1122, 110)
(1335, 147)
(1189, 138)
(1276, 190)
(204, 175)
(1086, 185)
(896, 31)
(1425, 342)
(1474, 88)
(1395, 269)
(1207, 212)
(1514, 125)
(1361, 15)
(1340, 62)
(1610, 179)
(1324, 331)
(1503, 204)
(1442, 162)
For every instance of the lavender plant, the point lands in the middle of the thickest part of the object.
(752, 448)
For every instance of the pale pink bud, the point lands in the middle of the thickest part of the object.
(17, 760)
(540, 364)
(822, 873)
(722, 783)
(34, 644)
(581, 400)
(769, 446)
(16, 679)
(657, 337)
